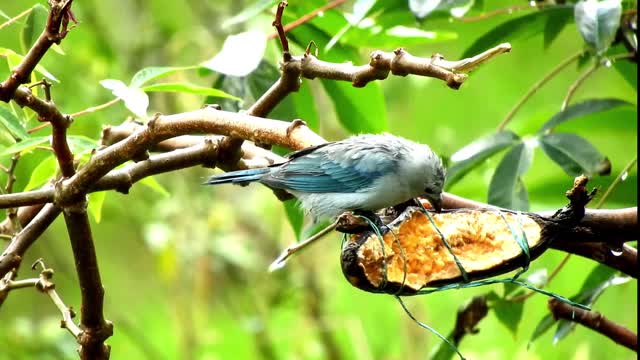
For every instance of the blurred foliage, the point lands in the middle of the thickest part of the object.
(184, 267)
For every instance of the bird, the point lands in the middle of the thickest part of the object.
(363, 173)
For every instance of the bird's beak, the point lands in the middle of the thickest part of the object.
(436, 202)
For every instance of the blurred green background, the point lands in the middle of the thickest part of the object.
(185, 270)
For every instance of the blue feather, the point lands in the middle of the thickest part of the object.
(238, 177)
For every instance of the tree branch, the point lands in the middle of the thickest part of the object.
(594, 321)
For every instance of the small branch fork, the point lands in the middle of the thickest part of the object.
(174, 134)
(43, 284)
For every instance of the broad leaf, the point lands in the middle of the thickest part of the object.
(509, 313)
(190, 89)
(295, 217)
(543, 326)
(518, 28)
(147, 74)
(377, 36)
(42, 173)
(593, 287)
(475, 153)
(81, 144)
(12, 124)
(360, 110)
(154, 185)
(581, 109)
(457, 8)
(26, 145)
(34, 25)
(506, 188)
(135, 99)
(555, 23)
(96, 201)
(598, 22)
(240, 54)
(575, 154)
(13, 59)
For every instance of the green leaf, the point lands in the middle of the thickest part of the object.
(509, 313)
(360, 110)
(554, 24)
(190, 89)
(575, 154)
(12, 124)
(13, 59)
(295, 217)
(154, 185)
(249, 12)
(475, 153)
(543, 325)
(26, 145)
(96, 200)
(42, 173)
(629, 72)
(506, 188)
(581, 109)
(600, 278)
(81, 144)
(381, 37)
(34, 25)
(155, 72)
(522, 27)
(598, 22)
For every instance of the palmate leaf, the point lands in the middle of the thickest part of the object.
(575, 154)
(475, 153)
(506, 188)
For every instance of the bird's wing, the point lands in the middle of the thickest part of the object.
(334, 168)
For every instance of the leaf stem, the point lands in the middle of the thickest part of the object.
(555, 71)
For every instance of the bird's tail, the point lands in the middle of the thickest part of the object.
(241, 177)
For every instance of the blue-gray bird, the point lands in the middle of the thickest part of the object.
(363, 172)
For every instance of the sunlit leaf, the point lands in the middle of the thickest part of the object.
(598, 22)
(575, 154)
(517, 28)
(240, 54)
(249, 12)
(154, 185)
(147, 74)
(422, 8)
(582, 109)
(42, 173)
(190, 89)
(34, 25)
(475, 153)
(25, 145)
(135, 99)
(12, 124)
(96, 201)
(506, 188)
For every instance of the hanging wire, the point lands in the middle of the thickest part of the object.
(425, 326)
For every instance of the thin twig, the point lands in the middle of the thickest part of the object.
(595, 321)
(16, 18)
(580, 80)
(307, 17)
(555, 71)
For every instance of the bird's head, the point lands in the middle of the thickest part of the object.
(433, 177)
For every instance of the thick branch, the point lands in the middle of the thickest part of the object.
(595, 321)
(53, 33)
(12, 255)
(96, 328)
